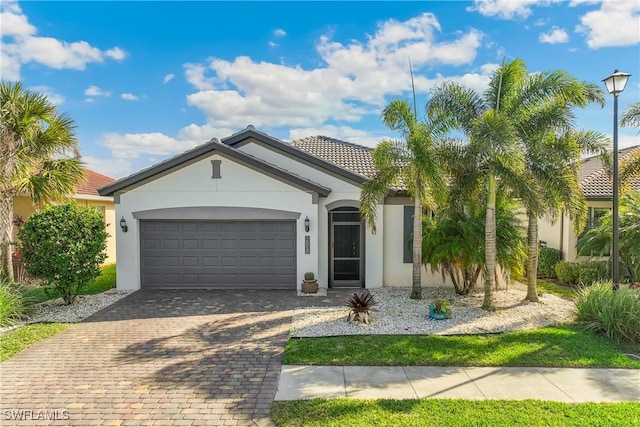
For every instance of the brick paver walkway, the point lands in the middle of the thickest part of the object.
(161, 358)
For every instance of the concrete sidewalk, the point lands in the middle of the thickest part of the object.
(417, 382)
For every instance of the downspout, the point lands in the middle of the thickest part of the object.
(562, 253)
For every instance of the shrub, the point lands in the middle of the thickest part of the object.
(547, 260)
(615, 313)
(567, 273)
(64, 245)
(360, 306)
(592, 272)
(13, 305)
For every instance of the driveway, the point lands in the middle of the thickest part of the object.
(161, 358)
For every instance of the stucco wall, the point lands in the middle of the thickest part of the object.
(396, 272)
(193, 186)
(341, 191)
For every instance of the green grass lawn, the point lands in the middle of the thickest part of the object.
(105, 281)
(19, 339)
(548, 287)
(451, 413)
(565, 346)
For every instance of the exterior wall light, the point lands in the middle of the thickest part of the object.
(306, 224)
(615, 84)
(123, 225)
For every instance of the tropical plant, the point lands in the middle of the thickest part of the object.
(39, 157)
(491, 122)
(597, 240)
(13, 304)
(614, 313)
(630, 167)
(64, 245)
(453, 243)
(411, 163)
(360, 306)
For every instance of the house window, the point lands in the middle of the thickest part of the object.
(407, 233)
(595, 217)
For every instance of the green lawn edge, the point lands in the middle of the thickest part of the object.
(564, 346)
(17, 340)
(452, 413)
(105, 281)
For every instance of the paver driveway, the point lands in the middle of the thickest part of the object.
(162, 358)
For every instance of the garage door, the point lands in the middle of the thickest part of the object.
(218, 254)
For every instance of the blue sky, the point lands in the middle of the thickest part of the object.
(148, 80)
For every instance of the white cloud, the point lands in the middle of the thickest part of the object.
(21, 45)
(96, 91)
(353, 80)
(53, 97)
(168, 78)
(554, 35)
(343, 133)
(89, 100)
(129, 96)
(273, 44)
(616, 23)
(109, 167)
(279, 32)
(507, 9)
(130, 146)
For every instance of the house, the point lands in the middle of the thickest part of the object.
(597, 187)
(251, 211)
(86, 195)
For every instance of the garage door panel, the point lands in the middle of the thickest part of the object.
(218, 254)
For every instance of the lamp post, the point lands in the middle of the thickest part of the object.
(615, 84)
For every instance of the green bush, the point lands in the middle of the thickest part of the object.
(13, 305)
(567, 273)
(592, 272)
(581, 273)
(615, 313)
(547, 260)
(64, 245)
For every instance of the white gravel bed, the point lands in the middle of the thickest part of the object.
(396, 314)
(57, 311)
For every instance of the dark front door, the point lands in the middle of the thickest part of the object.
(347, 249)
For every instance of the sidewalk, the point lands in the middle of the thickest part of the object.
(417, 382)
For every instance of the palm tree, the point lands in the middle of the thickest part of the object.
(453, 242)
(630, 168)
(491, 122)
(39, 156)
(552, 151)
(411, 163)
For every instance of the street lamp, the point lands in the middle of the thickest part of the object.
(615, 84)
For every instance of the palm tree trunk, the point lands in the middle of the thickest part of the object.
(416, 282)
(490, 244)
(6, 235)
(532, 264)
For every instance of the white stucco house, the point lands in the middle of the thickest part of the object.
(251, 211)
(596, 184)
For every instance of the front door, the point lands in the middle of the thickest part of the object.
(347, 249)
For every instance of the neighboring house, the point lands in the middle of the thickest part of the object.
(86, 195)
(252, 211)
(597, 187)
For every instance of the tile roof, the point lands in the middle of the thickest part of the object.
(352, 157)
(595, 181)
(93, 181)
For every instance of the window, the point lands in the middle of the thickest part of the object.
(595, 217)
(407, 233)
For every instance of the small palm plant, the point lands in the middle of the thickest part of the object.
(360, 306)
(440, 309)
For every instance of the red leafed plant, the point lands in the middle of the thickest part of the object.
(360, 306)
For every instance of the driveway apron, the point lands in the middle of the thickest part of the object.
(162, 358)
